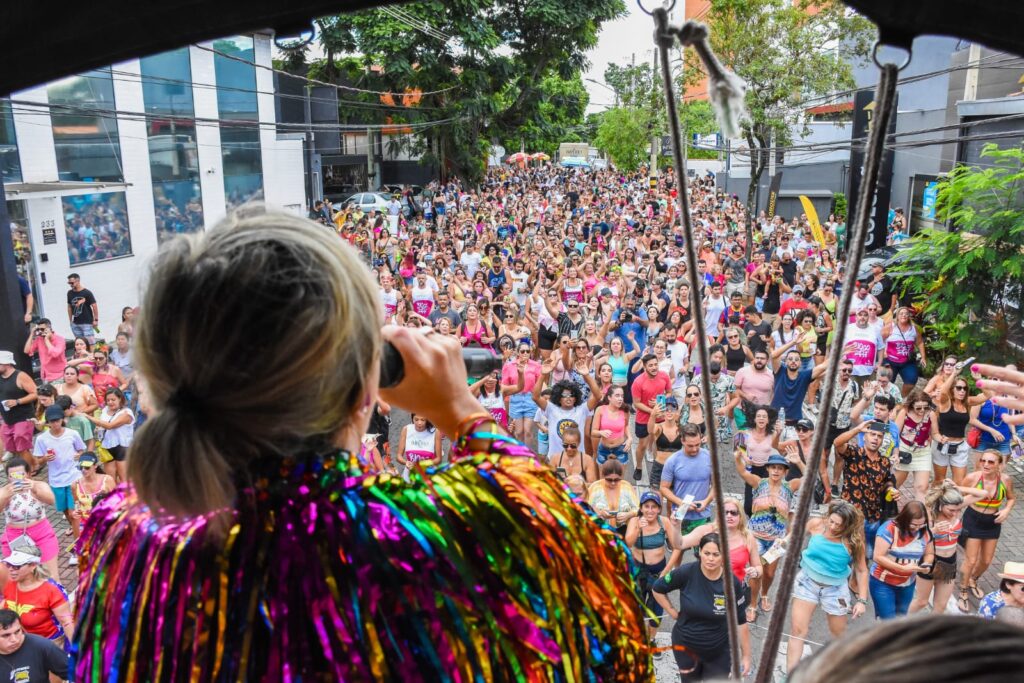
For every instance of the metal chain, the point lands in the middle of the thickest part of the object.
(872, 163)
(665, 39)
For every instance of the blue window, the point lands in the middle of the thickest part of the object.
(239, 114)
(173, 150)
(85, 127)
(10, 164)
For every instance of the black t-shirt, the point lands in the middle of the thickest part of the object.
(772, 295)
(702, 611)
(754, 341)
(34, 661)
(789, 271)
(882, 290)
(81, 306)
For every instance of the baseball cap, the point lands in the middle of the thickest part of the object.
(798, 288)
(54, 413)
(6, 358)
(804, 424)
(671, 401)
(87, 460)
(606, 292)
(650, 496)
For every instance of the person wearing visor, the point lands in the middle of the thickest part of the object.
(648, 535)
(39, 600)
(91, 487)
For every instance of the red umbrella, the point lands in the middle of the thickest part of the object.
(518, 158)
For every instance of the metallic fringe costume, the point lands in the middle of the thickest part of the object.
(481, 570)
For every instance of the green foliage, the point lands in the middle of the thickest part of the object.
(781, 49)
(624, 135)
(839, 204)
(968, 283)
(513, 66)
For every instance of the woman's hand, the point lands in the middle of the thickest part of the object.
(434, 384)
(1007, 385)
(746, 667)
(858, 610)
(1001, 516)
(997, 435)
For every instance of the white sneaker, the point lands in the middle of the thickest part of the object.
(73, 562)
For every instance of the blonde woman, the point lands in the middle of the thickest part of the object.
(945, 507)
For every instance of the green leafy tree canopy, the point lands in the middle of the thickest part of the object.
(787, 52)
(968, 282)
(623, 134)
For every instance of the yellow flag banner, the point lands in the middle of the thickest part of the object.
(812, 218)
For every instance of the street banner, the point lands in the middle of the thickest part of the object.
(812, 218)
(878, 226)
(773, 193)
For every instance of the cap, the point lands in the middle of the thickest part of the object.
(606, 292)
(805, 424)
(54, 413)
(776, 459)
(798, 288)
(6, 358)
(87, 460)
(671, 401)
(19, 558)
(650, 496)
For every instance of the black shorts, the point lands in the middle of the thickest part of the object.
(641, 431)
(546, 339)
(119, 453)
(980, 526)
(832, 434)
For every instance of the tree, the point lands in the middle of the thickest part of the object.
(786, 51)
(624, 135)
(559, 116)
(503, 67)
(973, 305)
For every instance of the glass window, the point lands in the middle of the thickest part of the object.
(85, 127)
(173, 150)
(97, 227)
(10, 164)
(239, 114)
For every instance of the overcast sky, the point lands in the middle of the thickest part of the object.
(618, 42)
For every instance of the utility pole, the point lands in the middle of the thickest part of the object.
(655, 133)
(370, 173)
(311, 193)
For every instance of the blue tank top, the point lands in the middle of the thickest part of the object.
(651, 541)
(825, 561)
(620, 369)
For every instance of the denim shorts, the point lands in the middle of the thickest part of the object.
(520, 406)
(63, 499)
(620, 453)
(835, 600)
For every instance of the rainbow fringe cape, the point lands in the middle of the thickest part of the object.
(481, 570)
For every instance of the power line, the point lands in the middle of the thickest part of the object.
(417, 24)
(30, 107)
(323, 83)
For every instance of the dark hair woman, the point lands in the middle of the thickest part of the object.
(700, 636)
(903, 549)
(260, 342)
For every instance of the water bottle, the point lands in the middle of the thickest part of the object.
(782, 419)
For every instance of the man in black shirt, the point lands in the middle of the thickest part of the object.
(881, 287)
(83, 311)
(759, 333)
(28, 658)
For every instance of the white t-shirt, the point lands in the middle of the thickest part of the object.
(560, 419)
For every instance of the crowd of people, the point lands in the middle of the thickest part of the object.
(96, 227)
(577, 280)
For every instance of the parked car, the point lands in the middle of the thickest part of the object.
(891, 257)
(369, 201)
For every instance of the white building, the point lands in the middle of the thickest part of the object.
(100, 168)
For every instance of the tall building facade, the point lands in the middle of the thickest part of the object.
(102, 167)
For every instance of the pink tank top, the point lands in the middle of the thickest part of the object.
(616, 424)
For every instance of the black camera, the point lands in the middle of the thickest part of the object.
(626, 317)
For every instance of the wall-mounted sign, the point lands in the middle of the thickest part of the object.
(49, 235)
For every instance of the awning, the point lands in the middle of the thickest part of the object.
(59, 188)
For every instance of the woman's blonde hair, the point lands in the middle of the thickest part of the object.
(852, 530)
(256, 338)
(946, 493)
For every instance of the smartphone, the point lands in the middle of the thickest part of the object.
(561, 473)
(662, 401)
(966, 363)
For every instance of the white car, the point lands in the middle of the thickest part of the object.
(369, 201)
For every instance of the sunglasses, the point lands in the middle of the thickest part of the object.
(947, 364)
(524, 352)
(959, 388)
(732, 513)
(613, 480)
(567, 396)
(689, 395)
(570, 446)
